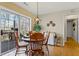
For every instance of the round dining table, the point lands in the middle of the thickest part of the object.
(27, 40)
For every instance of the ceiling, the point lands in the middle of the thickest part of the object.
(47, 7)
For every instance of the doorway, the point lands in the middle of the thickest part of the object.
(72, 33)
(72, 29)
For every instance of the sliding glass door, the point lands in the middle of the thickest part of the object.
(6, 24)
(9, 21)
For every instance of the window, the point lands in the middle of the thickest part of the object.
(24, 25)
(9, 20)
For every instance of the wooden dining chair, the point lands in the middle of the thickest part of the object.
(20, 44)
(36, 43)
(45, 42)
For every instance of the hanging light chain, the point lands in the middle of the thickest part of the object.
(37, 18)
(37, 9)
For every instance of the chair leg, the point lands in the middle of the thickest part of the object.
(47, 49)
(26, 52)
(16, 52)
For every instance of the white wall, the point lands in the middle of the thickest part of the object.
(56, 19)
(60, 19)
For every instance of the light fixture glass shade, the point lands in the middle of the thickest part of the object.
(37, 19)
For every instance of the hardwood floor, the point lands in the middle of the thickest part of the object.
(63, 51)
(71, 48)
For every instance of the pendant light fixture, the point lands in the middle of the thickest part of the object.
(37, 18)
(37, 26)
